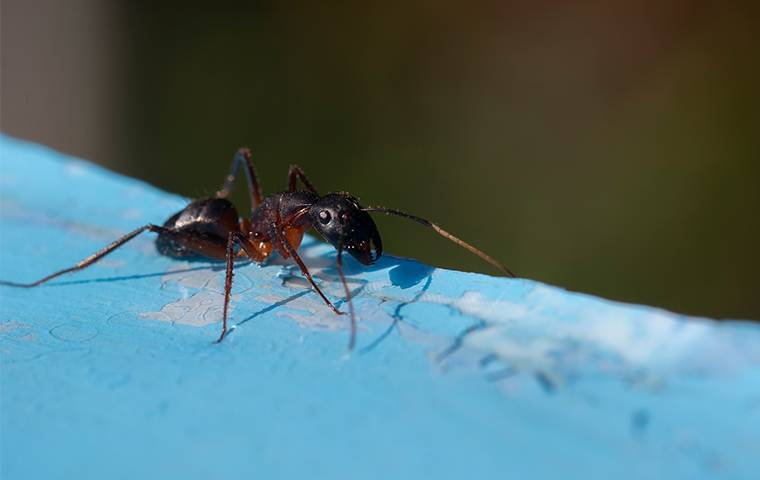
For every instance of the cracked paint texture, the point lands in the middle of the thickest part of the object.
(112, 373)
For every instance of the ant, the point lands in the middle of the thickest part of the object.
(211, 228)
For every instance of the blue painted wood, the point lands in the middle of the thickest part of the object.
(112, 373)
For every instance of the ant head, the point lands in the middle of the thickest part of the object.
(340, 219)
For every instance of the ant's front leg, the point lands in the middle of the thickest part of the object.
(280, 238)
(242, 158)
(339, 265)
(295, 173)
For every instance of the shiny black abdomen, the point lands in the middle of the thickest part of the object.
(205, 222)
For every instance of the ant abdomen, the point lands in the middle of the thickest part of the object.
(199, 230)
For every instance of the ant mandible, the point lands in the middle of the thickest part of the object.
(211, 228)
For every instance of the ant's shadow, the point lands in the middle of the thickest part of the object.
(407, 274)
(207, 265)
(402, 273)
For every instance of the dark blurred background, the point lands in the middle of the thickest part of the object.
(607, 147)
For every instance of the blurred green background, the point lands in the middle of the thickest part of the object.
(608, 147)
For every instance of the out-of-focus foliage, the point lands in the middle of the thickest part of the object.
(609, 147)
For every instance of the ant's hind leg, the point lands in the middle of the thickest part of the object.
(295, 173)
(242, 158)
(91, 259)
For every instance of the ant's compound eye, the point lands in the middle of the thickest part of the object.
(324, 217)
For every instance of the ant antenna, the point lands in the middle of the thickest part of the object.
(445, 234)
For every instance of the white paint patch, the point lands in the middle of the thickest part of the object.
(554, 331)
(200, 309)
(307, 311)
(202, 296)
(13, 325)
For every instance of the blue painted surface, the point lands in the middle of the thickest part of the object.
(112, 373)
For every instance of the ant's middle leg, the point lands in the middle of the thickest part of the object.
(250, 250)
(242, 158)
(295, 173)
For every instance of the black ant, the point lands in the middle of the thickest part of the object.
(211, 228)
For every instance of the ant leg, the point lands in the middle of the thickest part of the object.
(444, 234)
(339, 264)
(243, 156)
(240, 239)
(282, 240)
(91, 259)
(228, 281)
(295, 173)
